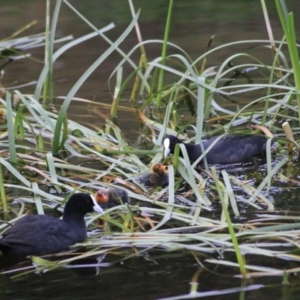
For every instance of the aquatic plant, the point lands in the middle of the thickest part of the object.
(38, 146)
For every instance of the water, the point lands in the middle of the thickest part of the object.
(164, 275)
(158, 274)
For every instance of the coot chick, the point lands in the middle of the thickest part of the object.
(158, 176)
(229, 149)
(43, 234)
(112, 197)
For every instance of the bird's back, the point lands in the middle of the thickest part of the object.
(39, 234)
(235, 148)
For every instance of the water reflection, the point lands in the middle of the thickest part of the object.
(155, 276)
(194, 22)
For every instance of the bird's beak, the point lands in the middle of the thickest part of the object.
(96, 206)
(166, 147)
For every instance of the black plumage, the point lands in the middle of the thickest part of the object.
(229, 149)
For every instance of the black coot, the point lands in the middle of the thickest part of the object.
(158, 176)
(229, 149)
(42, 234)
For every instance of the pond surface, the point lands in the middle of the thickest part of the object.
(160, 274)
(193, 24)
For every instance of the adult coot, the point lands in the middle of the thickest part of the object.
(229, 149)
(42, 234)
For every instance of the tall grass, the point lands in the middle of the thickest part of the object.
(171, 218)
(287, 23)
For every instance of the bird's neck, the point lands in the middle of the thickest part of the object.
(194, 151)
(73, 217)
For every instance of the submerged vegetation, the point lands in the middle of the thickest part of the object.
(199, 210)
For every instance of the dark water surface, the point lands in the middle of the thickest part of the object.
(193, 23)
(163, 275)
